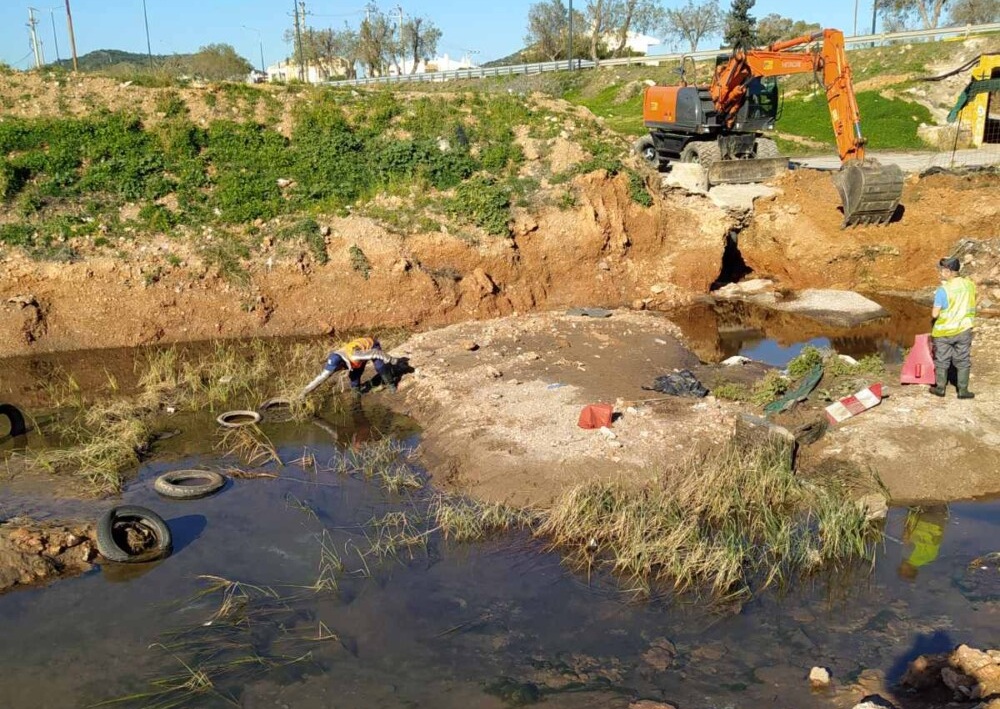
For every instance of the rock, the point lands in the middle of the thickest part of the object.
(836, 307)
(638, 304)
(401, 266)
(981, 667)
(690, 177)
(481, 281)
(740, 198)
(743, 289)
(493, 372)
(957, 682)
(875, 506)
(874, 701)
(925, 671)
(735, 360)
(657, 289)
(603, 266)
(469, 345)
(819, 678)
(650, 704)
(608, 433)
(324, 230)
(284, 182)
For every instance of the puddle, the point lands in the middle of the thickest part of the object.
(459, 625)
(726, 328)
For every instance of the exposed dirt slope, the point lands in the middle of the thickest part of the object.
(606, 251)
(36, 552)
(797, 239)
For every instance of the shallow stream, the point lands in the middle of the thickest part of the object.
(445, 624)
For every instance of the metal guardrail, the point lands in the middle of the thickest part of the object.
(648, 60)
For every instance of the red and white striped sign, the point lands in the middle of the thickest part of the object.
(849, 406)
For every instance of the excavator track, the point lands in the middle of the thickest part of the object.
(869, 191)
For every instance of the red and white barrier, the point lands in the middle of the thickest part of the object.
(849, 406)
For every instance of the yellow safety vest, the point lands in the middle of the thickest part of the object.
(347, 351)
(961, 311)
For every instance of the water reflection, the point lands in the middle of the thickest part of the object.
(923, 533)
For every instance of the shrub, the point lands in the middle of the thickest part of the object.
(485, 202)
(637, 189)
(359, 262)
(309, 231)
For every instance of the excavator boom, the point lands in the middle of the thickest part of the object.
(869, 191)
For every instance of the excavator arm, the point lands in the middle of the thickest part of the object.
(870, 191)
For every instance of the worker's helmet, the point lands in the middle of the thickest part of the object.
(950, 263)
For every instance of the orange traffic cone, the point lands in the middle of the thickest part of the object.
(919, 365)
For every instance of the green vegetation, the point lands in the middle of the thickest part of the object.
(68, 179)
(359, 262)
(887, 123)
(732, 521)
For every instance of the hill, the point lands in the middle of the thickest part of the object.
(102, 60)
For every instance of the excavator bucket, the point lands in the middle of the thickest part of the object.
(744, 171)
(869, 191)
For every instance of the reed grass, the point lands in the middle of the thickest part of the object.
(249, 444)
(732, 521)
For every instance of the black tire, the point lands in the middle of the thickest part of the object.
(226, 419)
(110, 533)
(169, 484)
(645, 148)
(767, 148)
(16, 418)
(703, 152)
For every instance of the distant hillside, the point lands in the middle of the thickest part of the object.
(104, 59)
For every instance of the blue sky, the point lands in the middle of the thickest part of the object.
(489, 29)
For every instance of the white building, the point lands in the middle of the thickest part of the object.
(443, 63)
(638, 43)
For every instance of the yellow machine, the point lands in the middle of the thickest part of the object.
(982, 112)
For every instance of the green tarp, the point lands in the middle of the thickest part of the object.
(969, 92)
(799, 393)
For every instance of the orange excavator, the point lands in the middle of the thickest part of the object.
(719, 126)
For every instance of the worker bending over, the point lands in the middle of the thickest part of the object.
(954, 312)
(354, 356)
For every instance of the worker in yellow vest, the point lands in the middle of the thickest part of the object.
(353, 356)
(954, 314)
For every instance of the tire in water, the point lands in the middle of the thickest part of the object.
(113, 531)
(172, 484)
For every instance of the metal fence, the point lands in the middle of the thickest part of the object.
(647, 60)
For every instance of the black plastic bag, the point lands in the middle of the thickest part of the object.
(681, 383)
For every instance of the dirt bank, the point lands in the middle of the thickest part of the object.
(607, 250)
(796, 238)
(33, 553)
(928, 449)
(501, 420)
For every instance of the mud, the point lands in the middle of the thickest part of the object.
(34, 552)
(796, 238)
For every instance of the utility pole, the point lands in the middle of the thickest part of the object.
(72, 37)
(570, 58)
(298, 36)
(874, 14)
(35, 44)
(149, 48)
(55, 37)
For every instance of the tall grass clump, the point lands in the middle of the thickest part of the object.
(732, 521)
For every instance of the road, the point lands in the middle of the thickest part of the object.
(914, 162)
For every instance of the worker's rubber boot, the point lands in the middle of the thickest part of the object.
(940, 382)
(963, 385)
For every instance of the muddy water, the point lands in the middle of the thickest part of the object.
(718, 330)
(455, 625)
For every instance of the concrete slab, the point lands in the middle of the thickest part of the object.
(837, 307)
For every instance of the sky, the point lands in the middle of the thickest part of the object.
(483, 30)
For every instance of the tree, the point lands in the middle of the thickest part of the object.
(774, 27)
(741, 26)
(599, 15)
(218, 62)
(420, 38)
(634, 16)
(548, 30)
(900, 11)
(692, 23)
(376, 46)
(974, 12)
